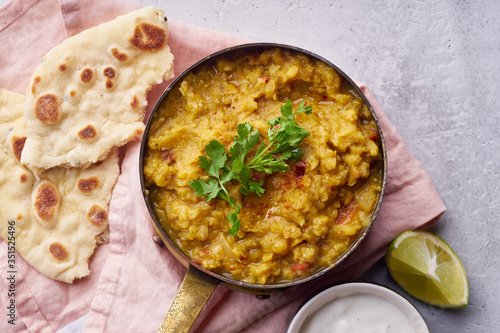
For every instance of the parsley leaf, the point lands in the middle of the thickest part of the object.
(285, 136)
(214, 165)
(217, 152)
(248, 185)
(234, 220)
(246, 139)
(210, 188)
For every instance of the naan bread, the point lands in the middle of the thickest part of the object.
(58, 219)
(88, 94)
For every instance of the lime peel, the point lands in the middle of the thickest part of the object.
(428, 269)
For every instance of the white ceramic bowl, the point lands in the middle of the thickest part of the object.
(320, 301)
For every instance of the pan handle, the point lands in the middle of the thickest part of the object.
(193, 294)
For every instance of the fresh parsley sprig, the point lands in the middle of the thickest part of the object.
(285, 136)
(214, 164)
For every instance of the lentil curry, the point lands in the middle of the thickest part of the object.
(310, 214)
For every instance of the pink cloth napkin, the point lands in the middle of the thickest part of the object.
(133, 281)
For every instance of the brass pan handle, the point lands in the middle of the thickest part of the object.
(193, 294)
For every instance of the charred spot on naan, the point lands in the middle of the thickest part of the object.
(97, 216)
(17, 146)
(87, 185)
(47, 109)
(135, 102)
(23, 178)
(36, 80)
(109, 84)
(148, 37)
(88, 132)
(58, 251)
(86, 75)
(62, 67)
(109, 72)
(137, 135)
(121, 57)
(46, 200)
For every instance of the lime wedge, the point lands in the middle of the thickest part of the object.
(426, 267)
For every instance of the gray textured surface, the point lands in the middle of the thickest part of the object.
(434, 68)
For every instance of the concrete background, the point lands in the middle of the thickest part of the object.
(434, 68)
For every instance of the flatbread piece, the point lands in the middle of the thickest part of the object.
(88, 94)
(58, 219)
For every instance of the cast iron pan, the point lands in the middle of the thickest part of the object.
(199, 283)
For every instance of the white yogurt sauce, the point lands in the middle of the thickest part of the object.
(358, 313)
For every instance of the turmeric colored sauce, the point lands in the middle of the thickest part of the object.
(310, 214)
